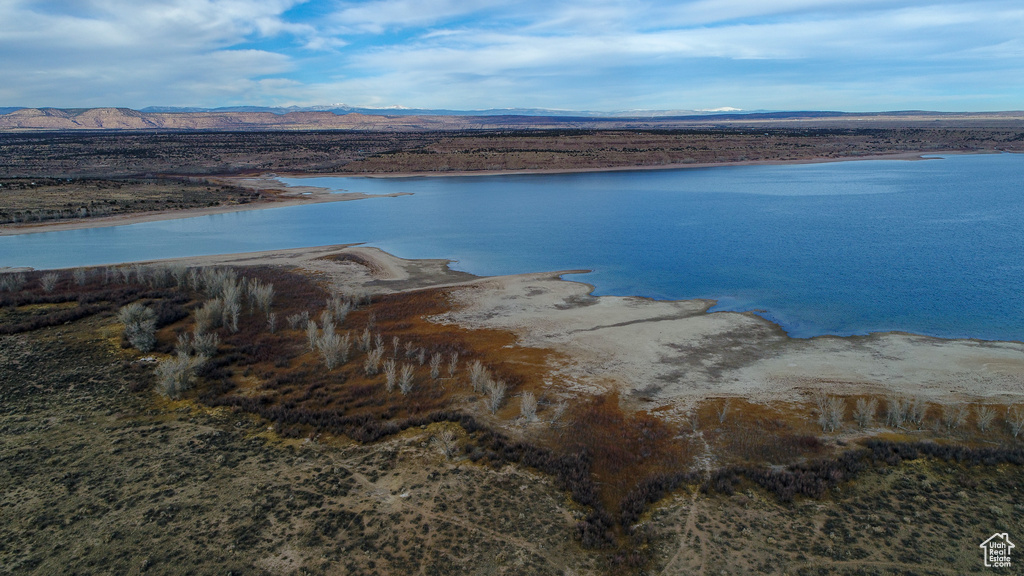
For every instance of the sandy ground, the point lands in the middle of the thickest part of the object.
(668, 355)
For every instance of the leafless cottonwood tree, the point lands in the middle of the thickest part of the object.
(446, 444)
(917, 409)
(312, 334)
(831, 410)
(405, 380)
(298, 320)
(396, 345)
(435, 365)
(453, 364)
(528, 407)
(723, 411)
(139, 326)
(205, 344)
(477, 376)
(983, 417)
(80, 275)
(372, 361)
(329, 343)
(12, 281)
(390, 375)
(864, 411)
(896, 411)
(421, 356)
(49, 281)
(496, 390)
(954, 416)
(1015, 419)
(365, 340)
(176, 374)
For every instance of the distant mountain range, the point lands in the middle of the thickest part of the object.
(340, 117)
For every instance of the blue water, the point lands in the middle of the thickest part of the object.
(933, 247)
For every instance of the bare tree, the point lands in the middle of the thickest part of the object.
(409, 349)
(496, 390)
(864, 411)
(272, 322)
(917, 409)
(435, 365)
(896, 411)
(262, 296)
(558, 410)
(139, 325)
(396, 345)
(1015, 419)
(422, 356)
(12, 281)
(831, 411)
(378, 341)
(477, 376)
(297, 320)
(390, 375)
(372, 362)
(176, 374)
(312, 334)
(446, 444)
(205, 344)
(364, 341)
(329, 345)
(80, 275)
(984, 415)
(954, 416)
(453, 364)
(723, 410)
(528, 407)
(405, 379)
(49, 281)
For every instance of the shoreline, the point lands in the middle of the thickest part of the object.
(664, 355)
(285, 196)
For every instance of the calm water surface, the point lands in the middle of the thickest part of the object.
(933, 247)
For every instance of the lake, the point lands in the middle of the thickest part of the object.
(933, 247)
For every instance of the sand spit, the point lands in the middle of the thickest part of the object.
(273, 194)
(668, 355)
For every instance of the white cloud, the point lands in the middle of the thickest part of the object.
(450, 53)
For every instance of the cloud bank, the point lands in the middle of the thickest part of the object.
(596, 55)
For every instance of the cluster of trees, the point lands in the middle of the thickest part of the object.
(900, 412)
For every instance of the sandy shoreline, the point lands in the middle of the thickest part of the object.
(668, 355)
(276, 194)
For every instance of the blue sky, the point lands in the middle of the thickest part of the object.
(852, 55)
